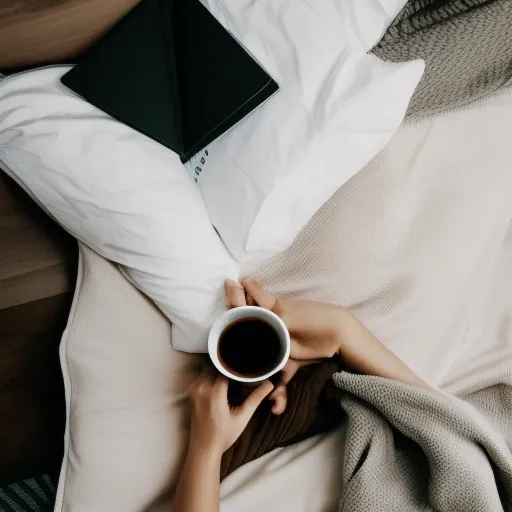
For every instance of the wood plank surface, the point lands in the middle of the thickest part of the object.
(37, 276)
(36, 32)
(37, 257)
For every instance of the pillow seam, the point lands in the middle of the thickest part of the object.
(68, 385)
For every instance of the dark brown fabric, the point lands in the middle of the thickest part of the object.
(36, 32)
(312, 408)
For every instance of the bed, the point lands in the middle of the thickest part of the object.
(38, 260)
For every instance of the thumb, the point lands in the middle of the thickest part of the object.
(252, 402)
(258, 293)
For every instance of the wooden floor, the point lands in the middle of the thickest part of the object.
(37, 276)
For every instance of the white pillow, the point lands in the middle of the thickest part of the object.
(337, 107)
(124, 195)
(128, 418)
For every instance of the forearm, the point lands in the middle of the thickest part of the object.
(363, 353)
(199, 486)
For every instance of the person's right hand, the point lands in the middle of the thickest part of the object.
(216, 425)
(314, 329)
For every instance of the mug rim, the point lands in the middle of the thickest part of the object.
(213, 341)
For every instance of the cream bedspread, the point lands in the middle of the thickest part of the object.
(419, 245)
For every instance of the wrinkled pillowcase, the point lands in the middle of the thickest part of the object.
(336, 108)
(124, 195)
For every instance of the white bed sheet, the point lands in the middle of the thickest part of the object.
(303, 478)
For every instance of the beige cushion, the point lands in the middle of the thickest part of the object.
(127, 429)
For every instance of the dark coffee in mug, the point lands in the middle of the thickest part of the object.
(249, 347)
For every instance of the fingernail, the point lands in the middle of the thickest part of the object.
(248, 279)
(231, 283)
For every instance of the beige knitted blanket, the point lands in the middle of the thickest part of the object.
(410, 449)
(419, 245)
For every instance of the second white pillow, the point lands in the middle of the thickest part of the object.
(337, 107)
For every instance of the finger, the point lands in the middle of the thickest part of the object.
(208, 373)
(289, 370)
(252, 402)
(221, 388)
(279, 396)
(235, 294)
(208, 377)
(205, 380)
(258, 293)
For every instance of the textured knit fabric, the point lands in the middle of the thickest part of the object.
(410, 449)
(419, 246)
(465, 45)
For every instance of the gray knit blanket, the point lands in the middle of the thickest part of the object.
(466, 46)
(410, 449)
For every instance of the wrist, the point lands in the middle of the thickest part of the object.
(204, 448)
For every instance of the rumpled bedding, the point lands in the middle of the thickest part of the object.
(468, 55)
(419, 246)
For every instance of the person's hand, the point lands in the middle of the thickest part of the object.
(314, 329)
(215, 424)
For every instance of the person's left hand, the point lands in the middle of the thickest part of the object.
(215, 424)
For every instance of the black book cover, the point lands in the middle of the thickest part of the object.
(170, 70)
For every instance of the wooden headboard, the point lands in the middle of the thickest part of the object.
(37, 32)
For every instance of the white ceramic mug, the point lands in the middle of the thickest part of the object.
(236, 314)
